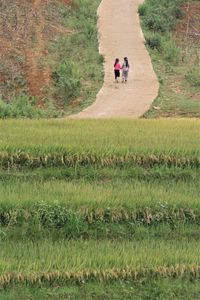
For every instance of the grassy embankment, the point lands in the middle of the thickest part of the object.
(84, 202)
(57, 68)
(175, 55)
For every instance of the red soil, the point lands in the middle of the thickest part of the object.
(16, 34)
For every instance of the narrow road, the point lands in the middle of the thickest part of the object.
(120, 35)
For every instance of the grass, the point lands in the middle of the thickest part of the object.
(165, 289)
(173, 59)
(65, 71)
(103, 174)
(78, 71)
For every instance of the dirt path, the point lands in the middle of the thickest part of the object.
(121, 35)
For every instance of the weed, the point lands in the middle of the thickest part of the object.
(193, 76)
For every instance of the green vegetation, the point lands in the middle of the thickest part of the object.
(24, 106)
(79, 74)
(88, 205)
(162, 136)
(56, 69)
(128, 260)
(193, 76)
(172, 55)
(165, 289)
(136, 213)
(79, 209)
(81, 143)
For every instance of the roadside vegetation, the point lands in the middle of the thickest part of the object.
(90, 206)
(171, 33)
(51, 66)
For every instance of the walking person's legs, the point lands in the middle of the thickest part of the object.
(123, 77)
(117, 74)
(126, 76)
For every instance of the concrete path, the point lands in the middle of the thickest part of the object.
(120, 35)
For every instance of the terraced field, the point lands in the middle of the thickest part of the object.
(99, 209)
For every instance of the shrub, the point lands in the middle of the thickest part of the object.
(4, 109)
(142, 10)
(160, 15)
(157, 23)
(154, 41)
(25, 106)
(67, 80)
(193, 76)
(170, 51)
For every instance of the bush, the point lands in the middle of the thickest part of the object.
(4, 109)
(160, 15)
(170, 51)
(154, 41)
(67, 80)
(156, 23)
(25, 106)
(193, 76)
(142, 10)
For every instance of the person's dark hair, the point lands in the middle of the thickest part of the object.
(126, 61)
(116, 61)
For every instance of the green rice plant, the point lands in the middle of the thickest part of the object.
(188, 272)
(48, 263)
(18, 160)
(65, 142)
(57, 204)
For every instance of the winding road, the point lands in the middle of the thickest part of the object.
(120, 35)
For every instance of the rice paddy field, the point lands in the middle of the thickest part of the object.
(99, 209)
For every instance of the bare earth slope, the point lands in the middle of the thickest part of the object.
(121, 35)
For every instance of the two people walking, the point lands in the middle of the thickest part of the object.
(125, 69)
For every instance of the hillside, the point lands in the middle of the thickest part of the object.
(174, 46)
(43, 44)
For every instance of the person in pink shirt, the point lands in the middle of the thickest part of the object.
(117, 68)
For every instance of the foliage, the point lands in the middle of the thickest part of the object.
(170, 50)
(193, 76)
(103, 205)
(160, 15)
(154, 41)
(163, 288)
(71, 59)
(23, 106)
(172, 58)
(79, 74)
(67, 80)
